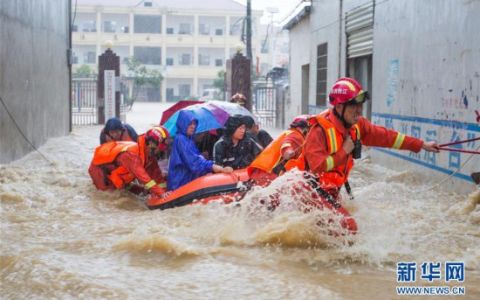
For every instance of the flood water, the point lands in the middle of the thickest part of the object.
(61, 238)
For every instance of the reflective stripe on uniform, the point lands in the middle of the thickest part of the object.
(125, 148)
(330, 163)
(357, 129)
(332, 137)
(398, 141)
(150, 184)
(347, 83)
(163, 185)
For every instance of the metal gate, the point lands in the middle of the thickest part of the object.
(265, 105)
(84, 101)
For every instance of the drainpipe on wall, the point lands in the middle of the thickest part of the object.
(69, 63)
(340, 21)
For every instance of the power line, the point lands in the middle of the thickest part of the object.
(342, 19)
(74, 14)
(21, 132)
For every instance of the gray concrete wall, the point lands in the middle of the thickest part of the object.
(34, 81)
(426, 78)
(299, 56)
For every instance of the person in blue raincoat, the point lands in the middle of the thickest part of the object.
(186, 162)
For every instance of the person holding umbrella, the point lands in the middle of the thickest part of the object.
(239, 98)
(186, 162)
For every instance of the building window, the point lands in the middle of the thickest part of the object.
(185, 59)
(170, 30)
(218, 62)
(147, 4)
(74, 59)
(264, 49)
(184, 28)
(204, 59)
(148, 55)
(322, 52)
(204, 29)
(170, 94)
(218, 31)
(169, 61)
(89, 57)
(184, 90)
(89, 26)
(236, 28)
(147, 24)
(109, 26)
(74, 28)
(125, 29)
(148, 94)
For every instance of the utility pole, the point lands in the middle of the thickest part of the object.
(249, 30)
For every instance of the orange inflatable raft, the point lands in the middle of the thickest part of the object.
(231, 187)
(203, 189)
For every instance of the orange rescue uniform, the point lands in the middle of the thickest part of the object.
(324, 154)
(116, 164)
(269, 164)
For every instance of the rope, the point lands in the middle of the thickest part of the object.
(451, 175)
(459, 142)
(23, 135)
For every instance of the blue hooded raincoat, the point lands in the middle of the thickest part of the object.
(186, 162)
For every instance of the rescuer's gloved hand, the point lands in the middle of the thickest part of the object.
(157, 191)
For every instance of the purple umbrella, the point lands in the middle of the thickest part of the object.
(210, 115)
(231, 108)
(220, 114)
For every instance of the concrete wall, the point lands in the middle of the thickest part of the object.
(324, 27)
(34, 77)
(426, 80)
(299, 56)
(426, 77)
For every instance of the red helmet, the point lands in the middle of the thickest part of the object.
(300, 121)
(155, 133)
(347, 90)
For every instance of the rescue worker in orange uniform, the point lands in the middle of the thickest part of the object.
(116, 165)
(282, 154)
(337, 134)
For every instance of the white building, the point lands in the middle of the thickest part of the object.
(187, 41)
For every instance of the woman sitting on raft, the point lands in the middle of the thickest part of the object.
(186, 162)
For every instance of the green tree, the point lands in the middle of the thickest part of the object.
(142, 76)
(219, 83)
(84, 71)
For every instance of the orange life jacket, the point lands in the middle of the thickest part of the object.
(107, 153)
(271, 157)
(335, 176)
